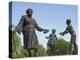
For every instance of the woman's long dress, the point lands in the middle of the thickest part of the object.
(27, 26)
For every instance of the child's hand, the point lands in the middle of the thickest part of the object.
(46, 37)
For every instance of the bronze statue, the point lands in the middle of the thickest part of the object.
(27, 26)
(70, 30)
(52, 42)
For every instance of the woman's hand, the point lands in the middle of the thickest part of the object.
(45, 30)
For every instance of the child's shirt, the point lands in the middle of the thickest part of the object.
(52, 39)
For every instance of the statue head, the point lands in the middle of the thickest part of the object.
(53, 30)
(68, 21)
(29, 12)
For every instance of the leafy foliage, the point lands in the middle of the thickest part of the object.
(61, 48)
(18, 51)
(41, 50)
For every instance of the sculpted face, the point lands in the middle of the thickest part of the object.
(53, 30)
(29, 12)
(68, 21)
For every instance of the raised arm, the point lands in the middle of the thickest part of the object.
(65, 32)
(38, 28)
(48, 37)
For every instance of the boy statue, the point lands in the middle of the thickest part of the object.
(70, 30)
(27, 26)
